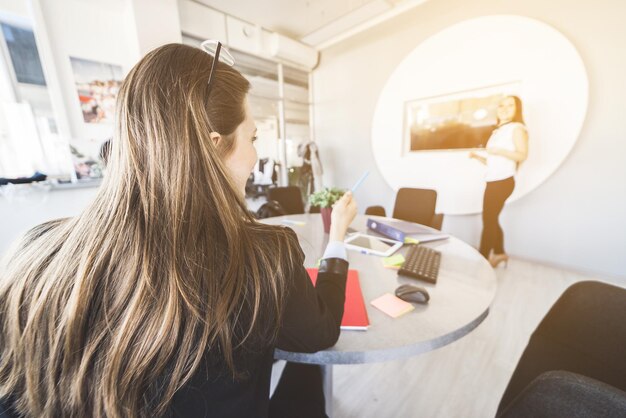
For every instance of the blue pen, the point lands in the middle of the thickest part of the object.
(359, 181)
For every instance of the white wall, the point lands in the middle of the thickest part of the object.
(156, 23)
(577, 218)
(18, 8)
(96, 31)
(23, 208)
(116, 32)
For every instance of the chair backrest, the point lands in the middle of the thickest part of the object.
(289, 198)
(270, 209)
(583, 333)
(375, 211)
(415, 205)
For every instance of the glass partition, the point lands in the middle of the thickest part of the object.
(265, 102)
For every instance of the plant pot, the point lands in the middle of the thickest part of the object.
(326, 218)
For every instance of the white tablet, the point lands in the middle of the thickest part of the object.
(368, 244)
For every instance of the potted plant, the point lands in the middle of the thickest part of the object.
(325, 199)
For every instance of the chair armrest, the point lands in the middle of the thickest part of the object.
(566, 394)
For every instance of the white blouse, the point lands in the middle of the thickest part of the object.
(499, 167)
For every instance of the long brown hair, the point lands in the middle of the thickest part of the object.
(111, 312)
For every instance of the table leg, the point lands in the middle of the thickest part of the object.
(327, 376)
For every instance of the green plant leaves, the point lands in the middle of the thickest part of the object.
(326, 198)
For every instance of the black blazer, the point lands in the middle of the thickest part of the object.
(310, 322)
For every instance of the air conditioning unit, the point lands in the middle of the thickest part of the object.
(284, 48)
(244, 36)
(201, 21)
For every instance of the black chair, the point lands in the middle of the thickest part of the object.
(560, 394)
(413, 205)
(269, 209)
(290, 198)
(583, 337)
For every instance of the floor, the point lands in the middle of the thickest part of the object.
(464, 379)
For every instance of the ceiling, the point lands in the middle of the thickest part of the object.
(311, 21)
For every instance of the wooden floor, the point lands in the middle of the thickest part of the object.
(464, 379)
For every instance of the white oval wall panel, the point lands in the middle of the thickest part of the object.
(533, 59)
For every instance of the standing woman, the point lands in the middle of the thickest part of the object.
(506, 149)
(165, 298)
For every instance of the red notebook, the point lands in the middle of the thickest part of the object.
(354, 311)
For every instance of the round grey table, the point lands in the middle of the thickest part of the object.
(459, 301)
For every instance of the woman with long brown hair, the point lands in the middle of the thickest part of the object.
(165, 297)
(506, 148)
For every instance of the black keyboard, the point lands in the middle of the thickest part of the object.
(421, 263)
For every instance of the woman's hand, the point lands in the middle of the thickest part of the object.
(344, 211)
(478, 157)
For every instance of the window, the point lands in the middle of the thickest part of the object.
(29, 141)
(24, 55)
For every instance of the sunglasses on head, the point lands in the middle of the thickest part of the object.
(215, 49)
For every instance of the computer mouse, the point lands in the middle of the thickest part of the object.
(412, 293)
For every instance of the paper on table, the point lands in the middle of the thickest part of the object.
(393, 262)
(293, 222)
(354, 310)
(392, 306)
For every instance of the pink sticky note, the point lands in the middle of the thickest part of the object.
(391, 305)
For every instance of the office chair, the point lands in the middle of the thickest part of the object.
(560, 394)
(375, 211)
(262, 178)
(575, 359)
(290, 198)
(269, 209)
(413, 205)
